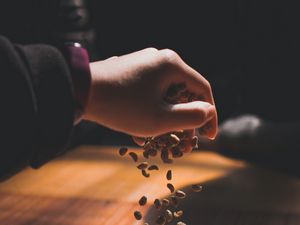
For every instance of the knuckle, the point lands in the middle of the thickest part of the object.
(151, 49)
(206, 85)
(169, 56)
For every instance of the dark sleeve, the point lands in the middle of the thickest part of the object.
(37, 105)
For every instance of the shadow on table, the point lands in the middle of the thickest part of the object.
(251, 196)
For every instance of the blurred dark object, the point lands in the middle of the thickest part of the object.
(269, 144)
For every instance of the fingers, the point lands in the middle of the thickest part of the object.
(196, 84)
(199, 85)
(210, 129)
(189, 115)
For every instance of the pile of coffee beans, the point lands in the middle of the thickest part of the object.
(169, 147)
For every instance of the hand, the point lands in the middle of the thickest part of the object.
(127, 94)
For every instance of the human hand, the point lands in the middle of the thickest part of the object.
(127, 94)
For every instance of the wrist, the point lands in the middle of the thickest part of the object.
(92, 109)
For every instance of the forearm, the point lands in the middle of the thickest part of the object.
(37, 105)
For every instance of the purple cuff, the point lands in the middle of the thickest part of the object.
(78, 60)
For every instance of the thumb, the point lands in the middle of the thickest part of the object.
(189, 115)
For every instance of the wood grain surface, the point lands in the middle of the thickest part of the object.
(95, 186)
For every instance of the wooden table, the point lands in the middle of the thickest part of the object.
(95, 186)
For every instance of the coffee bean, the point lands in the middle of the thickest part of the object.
(194, 142)
(152, 152)
(146, 154)
(153, 167)
(171, 187)
(178, 214)
(142, 166)
(169, 216)
(181, 223)
(197, 188)
(174, 140)
(147, 145)
(165, 156)
(174, 201)
(134, 156)
(162, 141)
(145, 174)
(169, 175)
(143, 201)
(176, 152)
(123, 151)
(157, 203)
(180, 194)
(161, 220)
(165, 202)
(183, 144)
(138, 215)
(180, 134)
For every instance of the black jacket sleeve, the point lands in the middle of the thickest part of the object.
(37, 105)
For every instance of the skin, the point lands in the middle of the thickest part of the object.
(127, 95)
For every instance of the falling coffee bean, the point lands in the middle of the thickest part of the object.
(153, 167)
(197, 188)
(180, 194)
(165, 202)
(142, 166)
(181, 223)
(171, 187)
(178, 214)
(174, 201)
(143, 201)
(169, 216)
(123, 151)
(194, 142)
(157, 203)
(180, 134)
(145, 174)
(138, 215)
(169, 175)
(146, 154)
(176, 152)
(174, 140)
(152, 152)
(165, 156)
(134, 156)
(161, 220)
